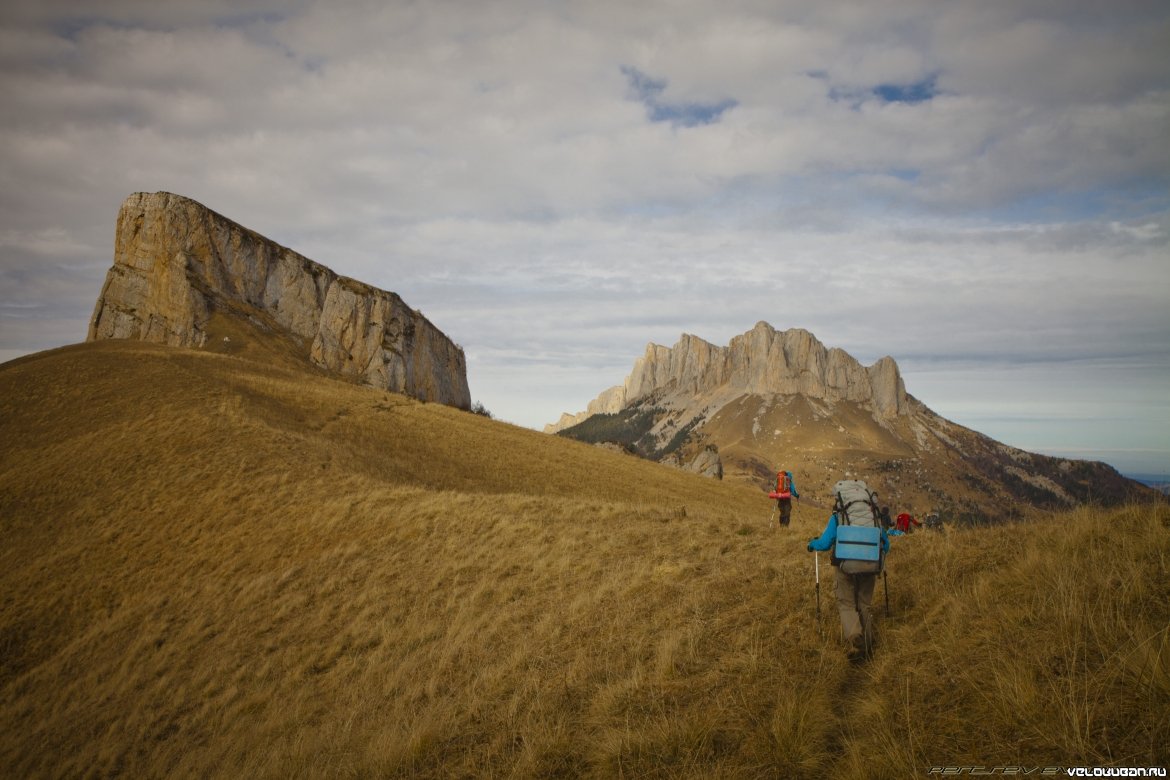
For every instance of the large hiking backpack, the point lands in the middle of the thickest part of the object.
(783, 486)
(858, 549)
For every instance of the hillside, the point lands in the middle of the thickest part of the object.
(780, 399)
(220, 564)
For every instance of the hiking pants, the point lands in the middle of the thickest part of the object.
(854, 595)
(785, 505)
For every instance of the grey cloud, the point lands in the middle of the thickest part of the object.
(1055, 55)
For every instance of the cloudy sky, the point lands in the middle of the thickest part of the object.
(979, 188)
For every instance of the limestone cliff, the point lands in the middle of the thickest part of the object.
(762, 361)
(176, 262)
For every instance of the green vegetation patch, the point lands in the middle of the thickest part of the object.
(630, 428)
(679, 439)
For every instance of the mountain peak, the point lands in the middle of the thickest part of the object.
(762, 361)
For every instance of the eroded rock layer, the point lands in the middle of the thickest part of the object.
(176, 261)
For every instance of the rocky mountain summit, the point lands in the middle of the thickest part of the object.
(177, 265)
(773, 399)
(763, 360)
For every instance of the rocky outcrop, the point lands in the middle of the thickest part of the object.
(762, 361)
(706, 463)
(176, 261)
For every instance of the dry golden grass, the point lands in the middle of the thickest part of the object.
(1045, 643)
(219, 567)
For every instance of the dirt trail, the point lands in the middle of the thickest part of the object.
(859, 675)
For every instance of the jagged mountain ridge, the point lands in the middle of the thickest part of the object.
(763, 360)
(179, 266)
(781, 398)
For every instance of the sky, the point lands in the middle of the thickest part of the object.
(978, 188)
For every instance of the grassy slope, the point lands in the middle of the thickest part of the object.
(219, 567)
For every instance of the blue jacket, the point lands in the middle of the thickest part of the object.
(827, 539)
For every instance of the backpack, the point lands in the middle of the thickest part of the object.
(783, 485)
(858, 549)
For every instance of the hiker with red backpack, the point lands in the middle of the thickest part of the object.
(859, 544)
(905, 520)
(784, 493)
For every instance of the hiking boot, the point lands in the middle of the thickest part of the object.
(856, 651)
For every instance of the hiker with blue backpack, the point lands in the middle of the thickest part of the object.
(859, 545)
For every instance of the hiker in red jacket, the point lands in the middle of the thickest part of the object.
(905, 521)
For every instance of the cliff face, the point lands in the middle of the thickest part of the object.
(762, 361)
(176, 261)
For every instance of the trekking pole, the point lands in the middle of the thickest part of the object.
(772, 516)
(817, 569)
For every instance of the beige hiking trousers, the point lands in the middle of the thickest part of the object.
(854, 596)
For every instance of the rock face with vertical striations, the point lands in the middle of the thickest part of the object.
(762, 361)
(177, 262)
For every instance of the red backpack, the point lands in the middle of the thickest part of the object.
(783, 486)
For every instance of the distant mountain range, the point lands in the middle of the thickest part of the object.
(781, 399)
